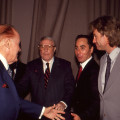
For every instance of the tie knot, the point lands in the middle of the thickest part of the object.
(108, 59)
(47, 65)
(80, 67)
(9, 72)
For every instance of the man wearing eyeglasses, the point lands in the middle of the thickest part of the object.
(48, 84)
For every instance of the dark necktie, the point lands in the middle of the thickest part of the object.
(9, 72)
(79, 73)
(46, 75)
(107, 74)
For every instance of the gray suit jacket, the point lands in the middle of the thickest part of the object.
(110, 99)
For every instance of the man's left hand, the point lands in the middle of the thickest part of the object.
(60, 106)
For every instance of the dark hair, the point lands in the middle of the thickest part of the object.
(108, 26)
(88, 37)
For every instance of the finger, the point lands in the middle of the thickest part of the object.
(62, 112)
(73, 114)
(59, 116)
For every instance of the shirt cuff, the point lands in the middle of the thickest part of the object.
(64, 104)
(43, 109)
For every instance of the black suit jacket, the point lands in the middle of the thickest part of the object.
(86, 96)
(20, 70)
(60, 84)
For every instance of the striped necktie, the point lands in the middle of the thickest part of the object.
(46, 75)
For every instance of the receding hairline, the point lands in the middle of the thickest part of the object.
(47, 38)
(7, 31)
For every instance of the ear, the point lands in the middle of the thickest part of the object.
(54, 49)
(7, 43)
(91, 49)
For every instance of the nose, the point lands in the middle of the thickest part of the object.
(46, 48)
(78, 51)
(19, 49)
(94, 40)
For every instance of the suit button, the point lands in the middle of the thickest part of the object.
(104, 114)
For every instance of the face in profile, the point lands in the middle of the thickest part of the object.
(82, 50)
(14, 48)
(47, 49)
(100, 41)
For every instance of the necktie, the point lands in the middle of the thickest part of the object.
(46, 75)
(107, 70)
(79, 73)
(9, 72)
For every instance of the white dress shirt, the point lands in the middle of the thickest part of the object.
(85, 63)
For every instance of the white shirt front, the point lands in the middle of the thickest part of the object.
(85, 63)
(4, 61)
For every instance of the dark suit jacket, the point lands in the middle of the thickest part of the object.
(20, 70)
(60, 84)
(86, 96)
(10, 103)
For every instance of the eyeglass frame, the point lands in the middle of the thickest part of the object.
(45, 46)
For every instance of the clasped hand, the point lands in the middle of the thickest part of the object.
(53, 114)
(60, 106)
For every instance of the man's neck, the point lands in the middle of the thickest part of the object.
(110, 49)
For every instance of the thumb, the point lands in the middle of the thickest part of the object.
(73, 114)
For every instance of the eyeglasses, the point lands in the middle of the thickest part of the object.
(46, 46)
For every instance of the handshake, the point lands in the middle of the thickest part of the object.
(54, 112)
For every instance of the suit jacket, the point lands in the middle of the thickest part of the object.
(20, 70)
(110, 99)
(10, 103)
(86, 96)
(60, 84)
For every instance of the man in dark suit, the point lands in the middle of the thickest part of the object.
(18, 70)
(58, 88)
(10, 103)
(86, 96)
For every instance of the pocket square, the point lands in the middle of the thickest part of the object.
(4, 85)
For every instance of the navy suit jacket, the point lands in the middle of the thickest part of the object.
(60, 84)
(86, 96)
(10, 103)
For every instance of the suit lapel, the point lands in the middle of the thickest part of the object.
(8, 80)
(102, 62)
(114, 73)
(54, 71)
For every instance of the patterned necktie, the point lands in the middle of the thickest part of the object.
(107, 70)
(9, 72)
(79, 73)
(46, 75)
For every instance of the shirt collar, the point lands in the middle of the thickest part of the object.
(4, 61)
(84, 63)
(50, 64)
(113, 55)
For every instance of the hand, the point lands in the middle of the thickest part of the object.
(53, 114)
(60, 106)
(75, 116)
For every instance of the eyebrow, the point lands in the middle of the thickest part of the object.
(80, 46)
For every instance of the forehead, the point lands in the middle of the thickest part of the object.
(95, 32)
(82, 41)
(16, 37)
(47, 42)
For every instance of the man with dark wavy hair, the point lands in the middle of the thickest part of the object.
(106, 30)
